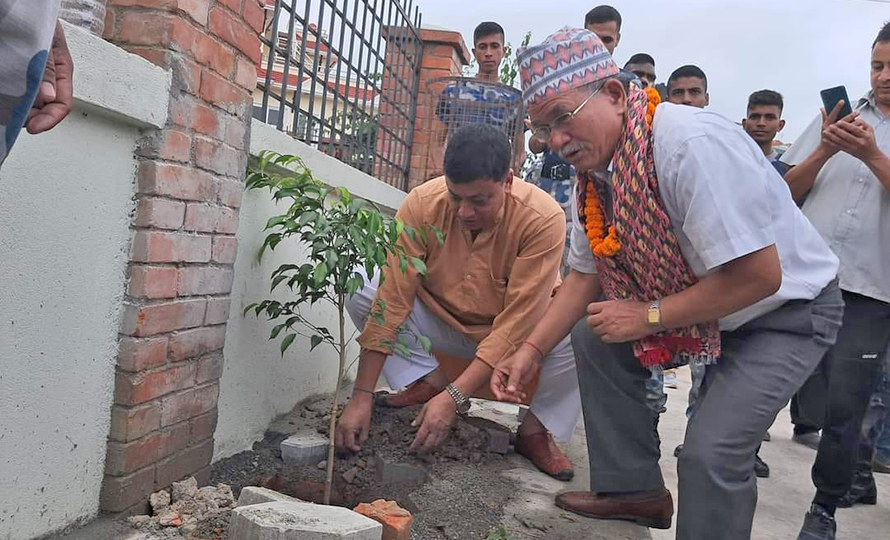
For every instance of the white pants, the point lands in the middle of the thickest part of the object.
(557, 402)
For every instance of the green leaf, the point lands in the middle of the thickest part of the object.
(287, 341)
(277, 330)
(419, 265)
(402, 350)
(306, 217)
(277, 281)
(321, 273)
(315, 341)
(440, 236)
(274, 221)
(425, 343)
(248, 308)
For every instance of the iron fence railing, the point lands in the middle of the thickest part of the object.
(343, 76)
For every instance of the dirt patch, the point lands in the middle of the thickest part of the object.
(462, 497)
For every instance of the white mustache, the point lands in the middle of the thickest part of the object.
(570, 148)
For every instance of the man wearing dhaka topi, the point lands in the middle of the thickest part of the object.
(689, 250)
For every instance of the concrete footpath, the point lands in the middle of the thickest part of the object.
(783, 498)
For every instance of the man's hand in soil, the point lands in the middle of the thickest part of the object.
(435, 421)
(512, 376)
(352, 430)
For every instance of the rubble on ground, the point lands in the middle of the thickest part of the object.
(186, 512)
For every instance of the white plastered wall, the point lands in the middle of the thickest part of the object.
(65, 203)
(257, 383)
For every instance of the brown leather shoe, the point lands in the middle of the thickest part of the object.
(543, 452)
(417, 393)
(649, 510)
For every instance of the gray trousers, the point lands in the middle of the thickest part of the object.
(763, 364)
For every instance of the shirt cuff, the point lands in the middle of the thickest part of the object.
(495, 348)
(376, 336)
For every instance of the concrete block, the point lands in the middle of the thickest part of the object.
(304, 448)
(398, 473)
(260, 495)
(498, 436)
(301, 521)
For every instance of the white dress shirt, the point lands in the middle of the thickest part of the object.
(725, 200)
(850, 207)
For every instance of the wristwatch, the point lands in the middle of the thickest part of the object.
(653, 315)
(461, 402)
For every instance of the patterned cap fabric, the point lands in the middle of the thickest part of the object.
(568, 59)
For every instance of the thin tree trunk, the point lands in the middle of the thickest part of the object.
(341, 303)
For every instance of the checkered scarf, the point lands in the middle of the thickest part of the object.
(650, 264)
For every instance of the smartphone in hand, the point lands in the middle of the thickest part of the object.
(832, 96)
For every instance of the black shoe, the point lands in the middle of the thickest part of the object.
(810, 439)
(677, 450)
(818, 525)
(761, 469)
(867, 494)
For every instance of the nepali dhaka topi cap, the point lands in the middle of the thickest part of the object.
(568, 59)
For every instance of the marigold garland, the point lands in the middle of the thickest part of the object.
(601, 244)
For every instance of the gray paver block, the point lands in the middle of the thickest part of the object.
(301, 521)
(401, 473)
(304, 448)
(260, 495)
(498, 436)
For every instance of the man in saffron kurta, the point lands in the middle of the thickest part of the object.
(715, 265)
(485, 288)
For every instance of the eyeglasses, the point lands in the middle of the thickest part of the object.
(542, 133)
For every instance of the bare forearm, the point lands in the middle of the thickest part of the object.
(567, 307)
(370, 364)
(474, 377)
(801, 178)
(737, 285)
(880, 167)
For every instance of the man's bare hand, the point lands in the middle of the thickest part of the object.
(56, 93)
(856, 138)
(619, 321)
(435, 421)
(511, 377)
(355, 423)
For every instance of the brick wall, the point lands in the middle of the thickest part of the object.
(444, 55)
(180, 273)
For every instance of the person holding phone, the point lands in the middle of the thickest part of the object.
(841, 165)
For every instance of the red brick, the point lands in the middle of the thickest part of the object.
(225, 249)
(155, 246)
(189, 404)
(236, 133)
(165, 5)
(193, 343)
(245, 74)
(205, 218)
(170, 144)
(142, 354)
(196, 280)
(124, 458)
(162, 318)
(235, 33)
(202, 427)
(129, 424)
(196, 9)
(222, 93)
(110, 24)
(174, 181)
(135, 388)
(211, 367)
(183, 464)
(217, 311)
(159, 213)
(215, 55)
(158, 57)
(229, 193)
(153, 282)
(254, 15)
(234, 5)
(220, 158)
(121, 493)
(186, 75)
(396, 521)
(146, 28)
(206, 120)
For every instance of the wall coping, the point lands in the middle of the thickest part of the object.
(110, 81)
(435, 34)
(327, 169)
